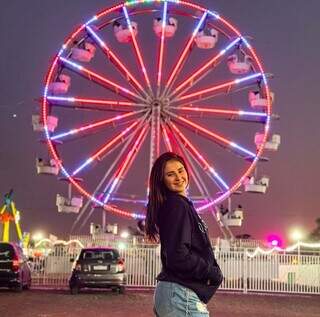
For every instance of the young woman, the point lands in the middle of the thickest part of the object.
(190, 274)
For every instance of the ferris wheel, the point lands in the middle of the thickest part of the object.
(144, 77)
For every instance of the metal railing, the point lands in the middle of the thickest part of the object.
(276, 272)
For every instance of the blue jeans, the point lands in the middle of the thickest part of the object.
(174, 300)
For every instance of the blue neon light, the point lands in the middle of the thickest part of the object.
(73, 64)
(199, 24)
(240, 80)
(95, 18)
(222, 52)
(242, 149)
(86, 163)
(164, 17)
(255, 114)
(95, 35)
(56, 98)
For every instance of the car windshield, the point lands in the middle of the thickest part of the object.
(99, 255)
(6, 251)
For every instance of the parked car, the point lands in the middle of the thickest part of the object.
(15, 271)
(98, 268)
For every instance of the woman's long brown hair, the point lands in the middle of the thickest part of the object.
(158, 191)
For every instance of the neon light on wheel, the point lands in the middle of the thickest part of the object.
(120, 103)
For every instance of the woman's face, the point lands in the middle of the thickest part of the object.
(176, 177)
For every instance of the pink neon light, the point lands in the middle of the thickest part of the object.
(133, 152)
(113, 141)
(197, 73)
(187, 143)
(140, 59)
(211, 110)
(166, 138)
(137, 49)
(160, 61)
(207, 90)
(205, 131)
(99, 123)
(92, 75)
(109, 53)
(128, 160)
(109, 10)
(96, 101)
(181, 59)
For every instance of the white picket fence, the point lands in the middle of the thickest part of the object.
(282, 273)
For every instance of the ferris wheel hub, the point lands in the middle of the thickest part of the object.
(159, 103)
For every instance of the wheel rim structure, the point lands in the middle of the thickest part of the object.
(164, 107)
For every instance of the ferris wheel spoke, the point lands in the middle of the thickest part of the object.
(154, 136)
(183, 56)
(218, 139)
(116, 61)
(101, 123)
(80, 102)
(222, 113)
(223, 87)
(137, 49)
(230, 91)
(166, 138)
(99, 79)
(204, 164)
(104, 149)
(114, 183)
(161, 47)
(96, 191)
(203, 71)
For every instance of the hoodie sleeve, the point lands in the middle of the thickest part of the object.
(175, 235)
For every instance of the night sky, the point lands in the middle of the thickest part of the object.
(285, 35)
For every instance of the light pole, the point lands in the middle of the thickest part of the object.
(297, 236)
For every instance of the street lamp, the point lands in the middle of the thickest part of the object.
(297, 235)
(124, 234)
(37, 236)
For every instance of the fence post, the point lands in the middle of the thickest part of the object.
(245, 271)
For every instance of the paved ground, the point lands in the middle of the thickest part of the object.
(49, 303)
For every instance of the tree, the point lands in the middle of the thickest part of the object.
(315, 234)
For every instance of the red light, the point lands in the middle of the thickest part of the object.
(120, 266)
(15, 264)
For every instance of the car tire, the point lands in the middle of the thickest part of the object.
(74, 290)
(18, 288)
(28, 285)
(122, 290)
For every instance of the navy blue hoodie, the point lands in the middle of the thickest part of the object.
(186, 254)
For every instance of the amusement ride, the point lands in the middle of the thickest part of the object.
(8, 214)
(144, 77)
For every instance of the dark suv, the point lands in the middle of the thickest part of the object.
(98, 268)
(15, 271)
